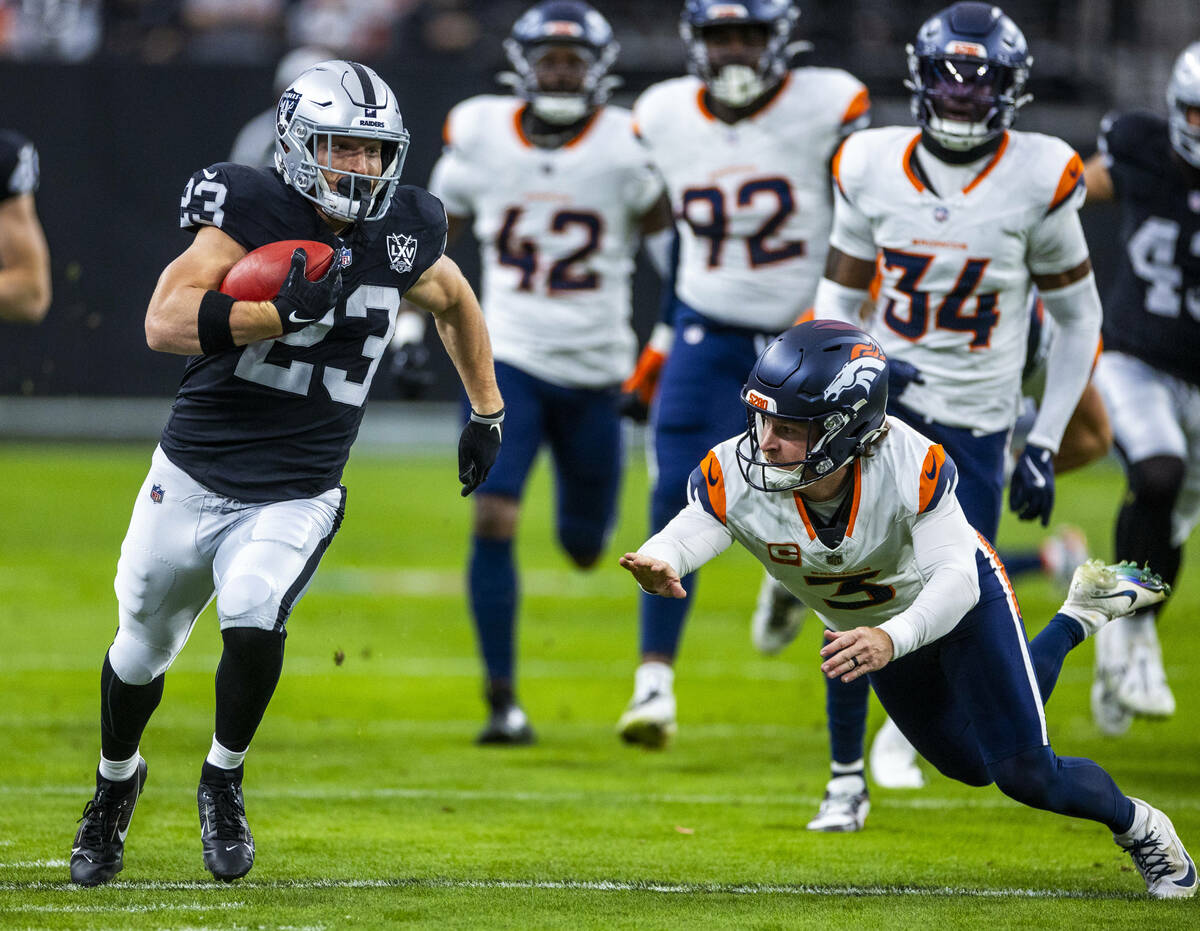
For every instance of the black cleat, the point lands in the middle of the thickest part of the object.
(507, 723)
(99, 849)
(224, 831)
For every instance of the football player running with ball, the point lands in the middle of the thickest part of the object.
(243, 496)
(854, 512)
(1149, 374)
(560, 193)
(743, 144)
(960, 219)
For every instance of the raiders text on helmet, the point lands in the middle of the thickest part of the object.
(339, 98)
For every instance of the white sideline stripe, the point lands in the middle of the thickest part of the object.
(918, 803)
(582, 885)
(34, 864)
(161, 906)
(440, 582)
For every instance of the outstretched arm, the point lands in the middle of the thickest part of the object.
(24, 262)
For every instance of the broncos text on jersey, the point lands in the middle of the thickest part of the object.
(955, 267)
(1152, 310)
(752, 198)
(558, 230)
(275, 419)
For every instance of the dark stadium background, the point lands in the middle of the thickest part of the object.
(121, 125)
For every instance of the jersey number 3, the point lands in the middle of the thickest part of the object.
(295, 377)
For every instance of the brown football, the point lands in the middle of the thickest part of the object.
(259, 274)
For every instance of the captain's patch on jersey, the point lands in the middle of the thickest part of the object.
(707, 486)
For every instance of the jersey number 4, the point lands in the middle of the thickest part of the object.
(522, 254)
(1152, 252)
(705, 212)
(949, 314)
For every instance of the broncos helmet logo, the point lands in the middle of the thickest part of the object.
(860, 371)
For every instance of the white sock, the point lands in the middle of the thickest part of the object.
(845, 769)
(224, 759)
(1141, 814)
(119, 770)
(653, 677)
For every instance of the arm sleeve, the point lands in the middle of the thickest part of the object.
(451, 182)
(852, 233)
(835, 301)
(691, 539)
(1076, 311)
(944, 547)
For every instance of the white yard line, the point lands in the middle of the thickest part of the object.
(580, 885)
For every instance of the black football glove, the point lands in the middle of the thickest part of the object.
(410, 370)
(901, 374)
(301, 302)
(478, 446)
(1031, 492)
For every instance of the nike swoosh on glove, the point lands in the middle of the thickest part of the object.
(1031, 492)
(301, 302)
(478, 447)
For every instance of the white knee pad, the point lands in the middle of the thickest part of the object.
(247, 600)
(138, 663)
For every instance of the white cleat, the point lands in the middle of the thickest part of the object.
(1143, 689)
(1110, 715)
(649, 721)
(1102, 592)
(844, 807)
(1062, 553)
(777, 619)
(893, 759)
(1158, 854)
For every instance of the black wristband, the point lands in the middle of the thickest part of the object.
(212, 323)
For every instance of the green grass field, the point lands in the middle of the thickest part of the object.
(372, 808)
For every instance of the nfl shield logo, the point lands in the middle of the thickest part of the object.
(941, 214)
(156, 494)
(402, 252)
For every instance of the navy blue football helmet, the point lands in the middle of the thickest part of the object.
(825, 374)
(554, 23)
(738, 85)
(967, 73)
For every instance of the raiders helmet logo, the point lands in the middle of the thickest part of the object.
(287, 107)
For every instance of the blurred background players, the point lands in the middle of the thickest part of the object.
(24, 255)
(1149, 373)
(559, 192)
(255, 142)
(743, 144)
(961, 219)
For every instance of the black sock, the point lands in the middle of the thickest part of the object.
(246, 678)
(124, 712)
(214, 775)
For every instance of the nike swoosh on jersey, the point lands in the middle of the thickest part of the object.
(932, 472)
(294, 319)
(208, 174)
(712, 479)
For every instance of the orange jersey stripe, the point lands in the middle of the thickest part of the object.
(446, 131)
(1069, 180)
(858, 106)
(908, 157)
(857, 496)
(800, 509)
(715, 484)
(835, 167)
(990, 165)
(930, 472)
(586, 129)
(519, 130)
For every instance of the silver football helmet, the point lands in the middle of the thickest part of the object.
(1183, 91)
(339, 98)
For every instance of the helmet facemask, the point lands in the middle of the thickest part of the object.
(556, 105)
(353, 195)
(964, 103)
(1183, 94)
(770, 475)
(738, 84)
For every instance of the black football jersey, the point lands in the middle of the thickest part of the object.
(275, 419)
(1153, 309)
(18, 165)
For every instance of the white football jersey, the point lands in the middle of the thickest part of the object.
(955, 267)
(870, 575)
(753, 198)
(558, 229)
